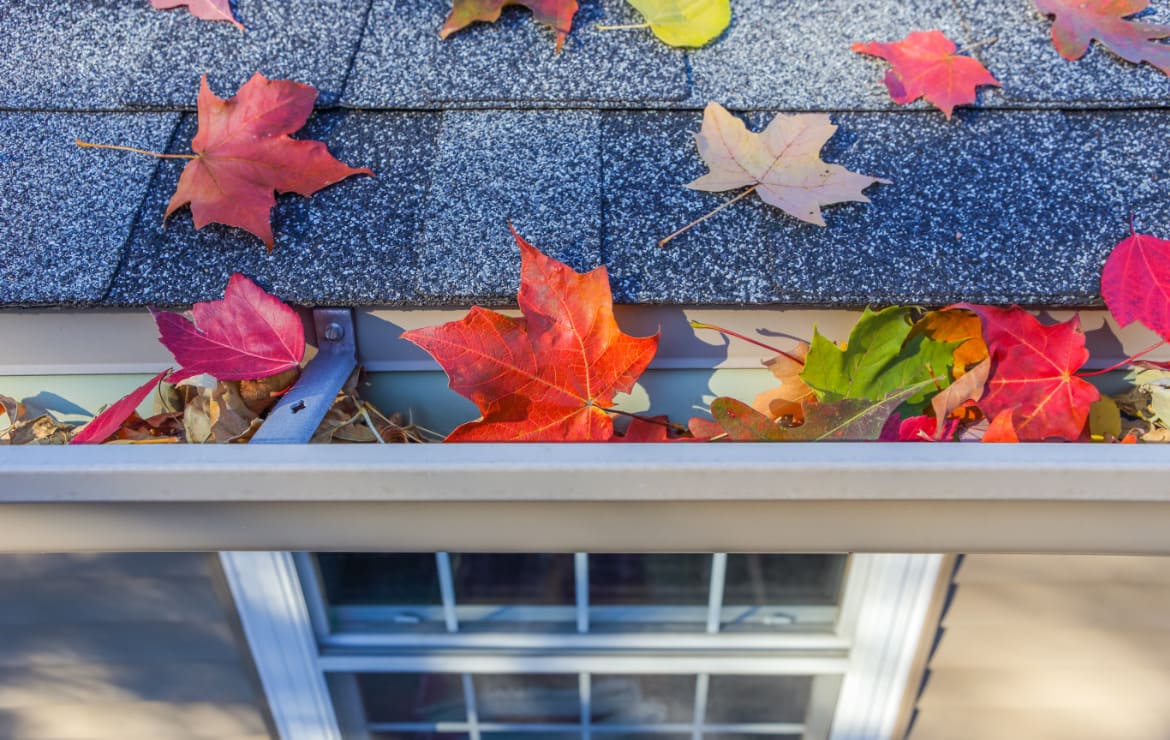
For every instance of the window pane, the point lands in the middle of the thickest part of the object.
(813, 580)
(529, 698)
(642, 699)
(359, 578)
(510, 592)
(748, 736)
(739, 699)
(419, 736)
(412, 697)
(649, 579)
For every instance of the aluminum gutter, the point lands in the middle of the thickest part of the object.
(864, 497)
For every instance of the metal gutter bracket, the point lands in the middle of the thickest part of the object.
(296, 416)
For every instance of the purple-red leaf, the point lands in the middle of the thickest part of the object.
(208, 10)
(247, 335)
(1136, 283)
(102, 426)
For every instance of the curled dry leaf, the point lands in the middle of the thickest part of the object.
(218, 415)
(557, 14)
(24, 428)
(208, 10)
(782, 163)
(788, 399)
(969, 387)
(925, 65)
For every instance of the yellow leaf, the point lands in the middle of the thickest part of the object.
(685, 22)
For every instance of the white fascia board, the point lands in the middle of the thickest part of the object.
(819, 497)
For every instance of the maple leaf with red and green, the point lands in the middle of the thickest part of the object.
(1032, 373)
(549, 375)
(208, 10)
(247, 335)
(557, 14)
(925, 65)
(243, 154)
(1077, 23)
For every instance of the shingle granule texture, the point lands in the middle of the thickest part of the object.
(66, 212)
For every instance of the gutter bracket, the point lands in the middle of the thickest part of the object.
(298, 414)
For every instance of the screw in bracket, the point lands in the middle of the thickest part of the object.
(334, 332)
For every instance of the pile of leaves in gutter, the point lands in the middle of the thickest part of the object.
(966, 372)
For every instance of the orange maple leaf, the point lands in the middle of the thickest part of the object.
(243, 153)
(925, 65)
(557, 14)
(1078, 22)
(550, 375)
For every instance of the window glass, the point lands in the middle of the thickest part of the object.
(758, 580)
(513, 579)
(741, 699)
(362, 578)
(618, 580)
(642, 699)
(528, 698)
(419, 736)
(412, 697)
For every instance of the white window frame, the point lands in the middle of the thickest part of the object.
(883, 610)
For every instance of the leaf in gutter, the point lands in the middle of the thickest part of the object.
(557, 14)
(849, 419)
(1077, 23)
(249, 334)
(1002, 428)
(790, 397)
(689, 23)
(243, 154)
(925, 65)
(550, 375)
(208, 10)
(1135, 283)
(105, 424)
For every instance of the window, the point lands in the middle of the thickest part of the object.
(613, 646)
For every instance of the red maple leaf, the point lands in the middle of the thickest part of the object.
(1032, 368)
(555, 13)
(550, 375)
(1078, 22)
(208, 10)
(102, 426)
(247, 335)
(1136, 283)
(925, 65)
(243, 153)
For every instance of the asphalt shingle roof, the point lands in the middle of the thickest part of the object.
(1018, 199)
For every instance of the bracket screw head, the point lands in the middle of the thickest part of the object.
(334, 332)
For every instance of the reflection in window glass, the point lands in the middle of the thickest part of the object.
(759, 580)
(642, 699)
(528, 698)
(513, 579)
(740, 699)
(379, 579)
(667, 580)
(412, 697)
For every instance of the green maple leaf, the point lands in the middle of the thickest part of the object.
(884, 354)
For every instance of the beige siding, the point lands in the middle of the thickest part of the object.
(122, 646)
(1039, 647)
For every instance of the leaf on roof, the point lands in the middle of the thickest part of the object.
(690, 23)
(1077, 23)
(249, 334)
(1136, 283)
(557, 14)
(925, 65)
(550, 375)
(782, 164)
(243, 154)
(208, 10)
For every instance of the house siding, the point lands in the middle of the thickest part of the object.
(125, 646)
(1044, 647)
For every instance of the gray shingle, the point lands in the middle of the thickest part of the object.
(511, 61)
(352, 243)
(310, 41)
(541, 169)
(999, 206)
(65, 212)
(795, 55)
(1032, 72)
(71, 55)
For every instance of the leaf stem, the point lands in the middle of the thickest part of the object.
(370, 423)
(1126, 361)
(977, 44)
(701, 219)
(737, 335)
(650, 420)
(88, 145)
(621, 27)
